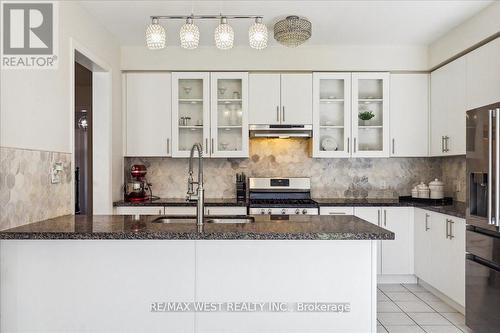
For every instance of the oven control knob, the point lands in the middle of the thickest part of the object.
(283, 211)
(304, 211)
(269, 211)
(262, 211)
(297, 211)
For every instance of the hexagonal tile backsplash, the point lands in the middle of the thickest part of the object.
(26, 193)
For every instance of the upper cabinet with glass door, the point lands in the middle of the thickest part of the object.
(331, 114)
(190, 112)
(370, 113)
(229, 114)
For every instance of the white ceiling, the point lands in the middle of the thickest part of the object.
(334, 22)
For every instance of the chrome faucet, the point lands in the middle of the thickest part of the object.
(200, 196)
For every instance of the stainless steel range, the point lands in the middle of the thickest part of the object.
(281, 196)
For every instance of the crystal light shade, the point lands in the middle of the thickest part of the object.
(292, 31)
(257, 35)
(224, 35)
(155, 36)
(190, 35)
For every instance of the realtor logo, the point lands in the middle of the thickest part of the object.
(29, 35)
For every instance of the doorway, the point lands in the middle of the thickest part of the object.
(83, 140)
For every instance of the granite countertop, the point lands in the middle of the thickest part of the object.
(455, 208)
(293, 227)
(182, 202)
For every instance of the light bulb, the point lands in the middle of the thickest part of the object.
(189, 35)
(224, 35)
(155, 35)
(257, 34)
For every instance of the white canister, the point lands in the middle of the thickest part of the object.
(436, 188)
(414, 192)
(423, 191)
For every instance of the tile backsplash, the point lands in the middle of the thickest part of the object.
(26, 192)
(333, 177)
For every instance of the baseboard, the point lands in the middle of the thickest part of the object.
(442, 296)
(396, 278)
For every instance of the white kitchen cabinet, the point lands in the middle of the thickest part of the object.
(409, 115)
(448, 107)
(483, 78)
(296, 99)
(265, 100)
(280, 99)
(147, 114)
(370, 94)
(334, 210)
(229, 114)
(190, 112)
(440, 253)
(395, 257)
(331, 114)
(139, 210)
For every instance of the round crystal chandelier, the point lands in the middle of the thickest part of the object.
(257, 35)
(292, 31)
(224, 35)
(189, 35)
(155, 35)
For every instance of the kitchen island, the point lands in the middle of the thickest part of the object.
(119, 273)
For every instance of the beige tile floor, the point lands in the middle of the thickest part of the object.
(408, 308)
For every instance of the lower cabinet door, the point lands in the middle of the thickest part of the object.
(372, 215)
(397, 254)
(422, 240)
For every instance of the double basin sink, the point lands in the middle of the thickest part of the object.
(207, 219)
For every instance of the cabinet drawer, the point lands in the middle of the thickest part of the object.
(336, 211)
(150, 210)
(180, 210)
(237, 210)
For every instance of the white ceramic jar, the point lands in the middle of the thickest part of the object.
(436, 188)
(423, 191)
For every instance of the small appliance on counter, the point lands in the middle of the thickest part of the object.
(241, 187)
(137, 188)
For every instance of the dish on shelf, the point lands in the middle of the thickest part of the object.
(329, 144)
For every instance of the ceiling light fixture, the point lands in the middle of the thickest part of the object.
(189, 35)
(257, 35)
(292, 31)
(155, 35)
(224, 35)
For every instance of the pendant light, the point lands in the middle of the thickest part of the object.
(224, 35)
(155, 35)
(189, 35)
(257, 35)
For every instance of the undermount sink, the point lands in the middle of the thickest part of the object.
(207, 219)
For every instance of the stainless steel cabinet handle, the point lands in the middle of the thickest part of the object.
(447, 224)
(168, 146)
(427, 222)
(385, 218)
(442, 144)
(212, 146)
(283, 116)
(451, 229)
(206, 146)
(490, 167)
(446, 142)
(348, 145)
(278, 113)
(354, 145)
(393, 145)
(378, 217)
(336, 213)
(497, 165)
(159, 211)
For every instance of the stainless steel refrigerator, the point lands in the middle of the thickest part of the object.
(482, 295)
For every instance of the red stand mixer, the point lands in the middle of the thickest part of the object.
(136, 189)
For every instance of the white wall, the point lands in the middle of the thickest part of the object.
(35, 104)
(345, 58)
(481, 26)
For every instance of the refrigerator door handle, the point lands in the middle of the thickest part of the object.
(497, 164)
(490, 167)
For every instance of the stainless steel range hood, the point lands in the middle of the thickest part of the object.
(280, 131)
